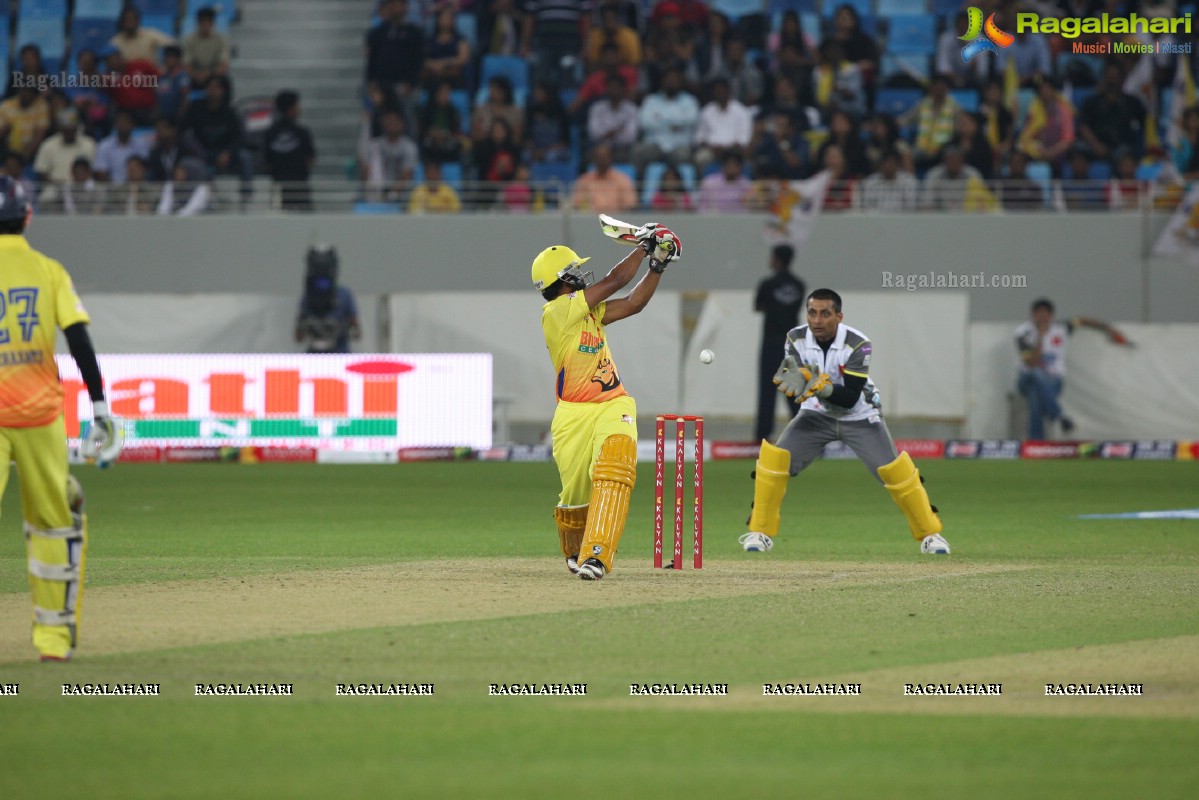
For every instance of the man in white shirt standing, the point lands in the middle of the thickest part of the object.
(1041, 342)
(725, 125)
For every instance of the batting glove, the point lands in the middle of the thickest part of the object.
(104, 438)
(645, 235)
(667, 247)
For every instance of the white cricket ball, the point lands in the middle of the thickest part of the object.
(707, 356)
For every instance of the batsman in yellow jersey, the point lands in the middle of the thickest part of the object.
(595, 422)
(36, 299)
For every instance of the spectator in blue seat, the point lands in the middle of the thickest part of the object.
(725, 125)
(949, 61)
(174, 85)
(996, 118)
(595, 85)
(1018, 191)
(290, 153)
(216, 127)
(132, 86)
(500, 104)
(1080, 192)
(837, 83)
(387, 163)
(857, 46)
(442, 139)
(890, 189)
(92, 101)
(1111, 119)
(395, 52)
(114, 152)
(136, 43)
(882, 136)
(969, 138)
(206, 50)
(496, 161)
(1031, 53)
(499, 27)
(447, 53)
(778, 150)
(668, 119)
(613, 121)
(1185, 157)
(844, 133)
(709, 52)
(29, 69)
(168, 150)
(547, 127)
(746, 81)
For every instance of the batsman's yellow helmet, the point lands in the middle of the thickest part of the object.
(558, 263)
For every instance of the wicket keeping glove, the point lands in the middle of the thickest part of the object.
(104, 438)
(791, 378)
(818, 385)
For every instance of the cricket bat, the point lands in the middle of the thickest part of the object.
(618, 230)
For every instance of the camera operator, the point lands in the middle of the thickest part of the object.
(328, 316)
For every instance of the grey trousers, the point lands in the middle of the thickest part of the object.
(807, 434)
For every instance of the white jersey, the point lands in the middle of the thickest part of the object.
(849, 354)
(1052, 342)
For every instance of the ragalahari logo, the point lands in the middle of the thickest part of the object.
(982, 36)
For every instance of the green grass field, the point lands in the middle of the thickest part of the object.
(449, 574)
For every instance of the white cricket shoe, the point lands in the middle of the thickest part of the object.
(755, 542)
(934, 545)
(591, 570)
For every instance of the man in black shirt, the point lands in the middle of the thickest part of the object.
(214, 125)
(290, 153)
(780, 298)
(1110, 119)
(395, 54)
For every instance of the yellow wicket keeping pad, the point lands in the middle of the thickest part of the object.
(771, 474)
(902, 481)
(579, 431)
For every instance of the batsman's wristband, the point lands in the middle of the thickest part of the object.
(99, 409)
(657, 266)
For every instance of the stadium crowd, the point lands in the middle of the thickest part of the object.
(609, 105)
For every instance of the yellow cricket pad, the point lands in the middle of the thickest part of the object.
(902, 480)
(571, 524)
(612, 480)
(770, 486)
(56, 560)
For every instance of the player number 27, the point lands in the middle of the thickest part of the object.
(26, 298)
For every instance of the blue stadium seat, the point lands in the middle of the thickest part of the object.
(893, 8)
(1042, 173)
(865, 8)
(162, 22)
(777, 7)
(653, 177)
(966, 98)
(896, 101)
(460, 98)
(1100, 171)
(451, 174)
(91, 33)
(910, 34)
(99, 8)
(948, 8)
(377, 208)
(158, 7)
(1024, 98)
(48, 33)
(1080, 94)
(468, 26)
(40, 9)
(516, 69)
(1148, 172)
(519, 96)
(736, 9)
(916, 67)
(562, 171)
(627, 169)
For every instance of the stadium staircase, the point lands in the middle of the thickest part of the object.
(316, 48)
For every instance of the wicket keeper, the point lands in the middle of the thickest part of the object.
(595, 422)
(826, 366)
(36, 299)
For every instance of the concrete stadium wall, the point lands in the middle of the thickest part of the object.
(1088, 263)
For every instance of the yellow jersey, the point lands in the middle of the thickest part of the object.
(36, 299)
(578, 349)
